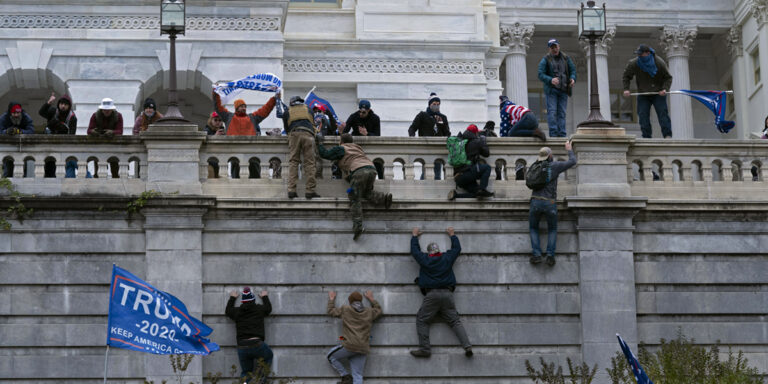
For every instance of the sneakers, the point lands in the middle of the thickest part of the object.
(468, 352)
(536, 260)
(421, 353)
(292, 195)
(452, 194)
(310, 195)
(484, 193)
(387, 201)
(539, 134)
(346, 379)
(358, 232)
(550, 261)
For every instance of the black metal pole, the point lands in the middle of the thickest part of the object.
(173, 114)
(595, 118)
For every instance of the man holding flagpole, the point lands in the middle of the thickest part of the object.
(652, 76)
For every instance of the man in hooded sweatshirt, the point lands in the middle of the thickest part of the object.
(149, 116)
(16, 121)
(356, 321)
(61, 119)
(241, 123)
(437, 283)
(249, 324)
(651, 75)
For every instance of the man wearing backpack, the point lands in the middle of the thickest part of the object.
(467, 174)
(542, 179)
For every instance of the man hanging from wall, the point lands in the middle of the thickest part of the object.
(361, 173)
(241, 123)
(356, 321)
(252, 350)
(437, 283)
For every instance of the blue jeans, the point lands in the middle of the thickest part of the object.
(644, 114)
(557, 103)
(525, 127)
(248, 358)
(549, 210)
(468, 180)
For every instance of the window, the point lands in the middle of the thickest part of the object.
(755, 56)
(537, 103)
(622, 108)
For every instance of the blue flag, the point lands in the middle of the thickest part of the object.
(145, 319)
(715, 101)
(640, 375)
(262, 82)
(313, 99)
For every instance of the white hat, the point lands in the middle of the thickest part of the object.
(107, 103)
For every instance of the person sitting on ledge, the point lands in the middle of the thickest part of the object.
(467, 176)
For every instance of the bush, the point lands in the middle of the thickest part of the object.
(579, 374)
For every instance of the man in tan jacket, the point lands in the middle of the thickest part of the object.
(357, 321)
(361, 173)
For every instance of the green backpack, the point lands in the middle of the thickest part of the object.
(457, 151)
(539, 175)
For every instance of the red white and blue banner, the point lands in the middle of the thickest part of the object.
(262, 82)
(145, 319)
(640, 376)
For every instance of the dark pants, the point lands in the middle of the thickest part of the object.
(249, 357)
(525, 127)
(361, 188)
(644, 114)
(548, 209)
(467, 180)
(439, 302)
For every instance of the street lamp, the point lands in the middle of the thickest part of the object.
(592, 26)
(172, 22)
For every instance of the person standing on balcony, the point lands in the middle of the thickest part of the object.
(361, 173)
(651, 76)
(518, 121)
(61, 121)
(544, 203)
(298, 122)
(363, 122)
(467, 176)
(356, 321)
(149, 116)
(240, 123)
(558, 73)
(431, 123)
(252, 350)
(106, 122)
(16, 121)
(437, 283)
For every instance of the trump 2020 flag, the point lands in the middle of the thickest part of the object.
(145, 319)
(637, 370)
(262, 82)
(715, 101)
(313, 99)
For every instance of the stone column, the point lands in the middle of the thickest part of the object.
(602, 46)
(736, 49)
(517, 37)
(678, 43)
(759, 9)
(494, 89)
(173, 156)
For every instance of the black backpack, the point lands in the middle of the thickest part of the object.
(539, 174)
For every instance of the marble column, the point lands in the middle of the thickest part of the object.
(602, 46)
(735, 47)
(517, 37)
(759, 9)
(678, 43)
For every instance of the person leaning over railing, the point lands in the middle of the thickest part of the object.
(61, 121)
(214, 127)
(15, 121)
(240, 123)
(106, 122)
(148, 116)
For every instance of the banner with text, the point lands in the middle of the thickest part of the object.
(145, 319)
(262, 82)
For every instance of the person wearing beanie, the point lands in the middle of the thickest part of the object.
(149, 116)
(214, 127)
(518, 121)
(651, 75)
(430, 122)
(363, 122)
(356, 321)
(106, 121)
(249, 317)
(437, 283)
(488, 129)
(299, 124)
(361, 173)
(558, 74)
(16, 121)
(472, 177)
(240, 123)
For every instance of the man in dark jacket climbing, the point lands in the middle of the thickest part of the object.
(437, 283)
(252, 348)
(467, 176)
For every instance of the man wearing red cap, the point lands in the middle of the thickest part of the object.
(240, 123)
(249, 324)
(16, 121)
(467, 176)
(356, 321)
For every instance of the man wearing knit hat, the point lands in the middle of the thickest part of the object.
(363, 122)
(430, 122)
(356, 321)
(544, 203)
(437, 283)
(558, 74)
(252, 349)
(240, 123)
(467, 176)
(148, 116)
(16, 121)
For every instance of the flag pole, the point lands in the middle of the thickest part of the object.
(106, 360)
(310, 91)
(669, 93)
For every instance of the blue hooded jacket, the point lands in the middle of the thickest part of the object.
(436, 271)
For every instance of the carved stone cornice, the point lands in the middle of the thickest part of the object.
(517, 37)
(137, 22)
(759, 10)
(491, 73)
(733, 41)
(678, 41)
(603, 44)
(384, 66)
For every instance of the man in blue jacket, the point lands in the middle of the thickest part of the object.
(558, 73)
(437, 283)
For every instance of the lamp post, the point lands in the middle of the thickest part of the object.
(172, 22)
(592, 26)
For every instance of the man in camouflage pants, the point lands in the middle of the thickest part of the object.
(361, 173)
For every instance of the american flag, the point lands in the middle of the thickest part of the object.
(510, 115)
(637, 370)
